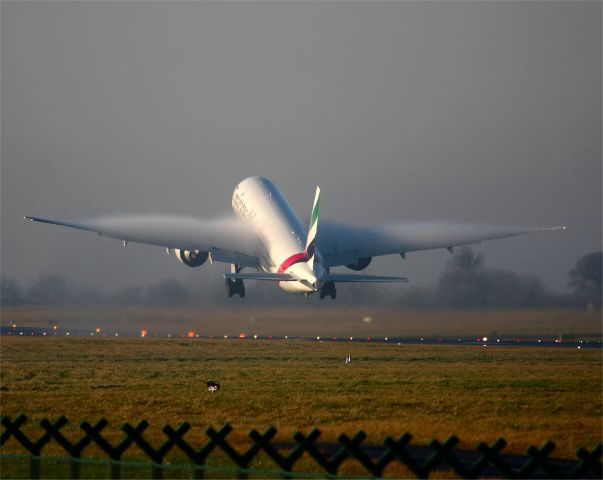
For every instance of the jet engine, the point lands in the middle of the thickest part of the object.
(360, 264)
(191, 258)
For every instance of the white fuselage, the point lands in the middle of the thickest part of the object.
(281, 235)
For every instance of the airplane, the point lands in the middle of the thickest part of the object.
(266, 235)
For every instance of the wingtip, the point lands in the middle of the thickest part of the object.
(553, 229)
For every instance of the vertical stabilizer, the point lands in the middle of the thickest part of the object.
(312, 229)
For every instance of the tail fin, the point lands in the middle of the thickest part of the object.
(312, 229)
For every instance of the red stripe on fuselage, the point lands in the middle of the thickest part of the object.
(298, 257)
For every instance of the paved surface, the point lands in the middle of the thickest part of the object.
(488, 342)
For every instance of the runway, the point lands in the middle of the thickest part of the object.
(506, 341)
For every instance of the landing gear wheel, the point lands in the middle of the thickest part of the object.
(328, 289)
(235, 287)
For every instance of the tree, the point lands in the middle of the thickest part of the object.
(466, 259)
(466, 283)
(128, 296)
(585, 278)
(168, 292)
(461, 285)
(50, 290)
(11, 292)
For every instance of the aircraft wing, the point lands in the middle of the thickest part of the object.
(227, 240)
(343, 244)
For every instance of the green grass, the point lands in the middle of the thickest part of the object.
(526, 395)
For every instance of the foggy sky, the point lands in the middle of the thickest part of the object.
(471, 111)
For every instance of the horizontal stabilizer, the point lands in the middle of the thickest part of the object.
(275, 277)
(352, 277)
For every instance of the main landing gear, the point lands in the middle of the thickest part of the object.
(328, 289)
(235, 286)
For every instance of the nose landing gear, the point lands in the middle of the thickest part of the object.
(328, 289)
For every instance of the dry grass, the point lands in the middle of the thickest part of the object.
(478, 393)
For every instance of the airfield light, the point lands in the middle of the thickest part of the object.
(116, 334)
(190, 334)
(241, 335)
(351, 338)
(98, 330)
(386, 339)
(255, 337)
(197, 336)
(485, 339)
(44, 334)
(67, 334)
(143, 333)
(14, 325)
(225, 336)
(369, 338)
(55, 327)
(317, 338)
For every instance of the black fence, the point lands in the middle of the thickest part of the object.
(326, 458)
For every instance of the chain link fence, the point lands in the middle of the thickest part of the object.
(303, 457)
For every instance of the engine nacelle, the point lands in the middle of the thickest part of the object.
(191, 258)
(361, 263)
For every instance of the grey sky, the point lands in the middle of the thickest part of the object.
(472, 111)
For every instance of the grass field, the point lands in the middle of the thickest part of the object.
(526, 395)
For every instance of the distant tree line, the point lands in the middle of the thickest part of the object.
(57, 290)
(465, 283)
